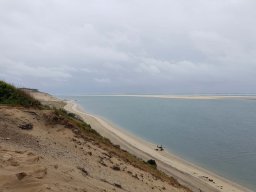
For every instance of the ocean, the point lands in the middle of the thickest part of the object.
(218, 135)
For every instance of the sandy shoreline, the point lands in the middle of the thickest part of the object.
(187, 174)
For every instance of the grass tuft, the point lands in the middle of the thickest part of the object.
(10, 95)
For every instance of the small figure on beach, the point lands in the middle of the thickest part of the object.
(159, 148)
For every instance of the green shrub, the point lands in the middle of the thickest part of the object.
(10, 95)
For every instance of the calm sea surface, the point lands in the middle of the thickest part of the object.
(219, 135)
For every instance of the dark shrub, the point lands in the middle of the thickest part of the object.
(152, 162)
(10, 95)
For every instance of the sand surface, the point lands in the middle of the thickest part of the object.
(188, 174)
(52, 158)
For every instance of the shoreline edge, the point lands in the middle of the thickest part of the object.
(194, 177)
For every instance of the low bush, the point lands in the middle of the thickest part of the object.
(10, 95)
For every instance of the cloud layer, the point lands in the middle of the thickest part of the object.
(119, 46)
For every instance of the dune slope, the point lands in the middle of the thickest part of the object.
(50, 156)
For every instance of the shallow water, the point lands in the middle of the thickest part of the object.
(219, 135)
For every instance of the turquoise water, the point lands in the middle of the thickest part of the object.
(219, 135)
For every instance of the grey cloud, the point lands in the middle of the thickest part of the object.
(114, 46)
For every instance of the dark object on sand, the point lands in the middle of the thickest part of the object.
(159, 148)
(84, 172)
(116, 168)
(152, 162)
(118, 185)
(27, 126)
(21, 175)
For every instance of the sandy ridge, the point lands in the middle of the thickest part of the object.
(190, 175)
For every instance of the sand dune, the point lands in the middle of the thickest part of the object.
(52, 157)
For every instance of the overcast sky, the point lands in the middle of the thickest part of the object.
(129, 46)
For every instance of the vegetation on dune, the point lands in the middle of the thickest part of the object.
(84, 130)
(10, 95)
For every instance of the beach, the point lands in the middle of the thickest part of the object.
(192, 176)
(128, 96)
(47, 149)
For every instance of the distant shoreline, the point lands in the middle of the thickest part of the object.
(192, 97)
(187, 174)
